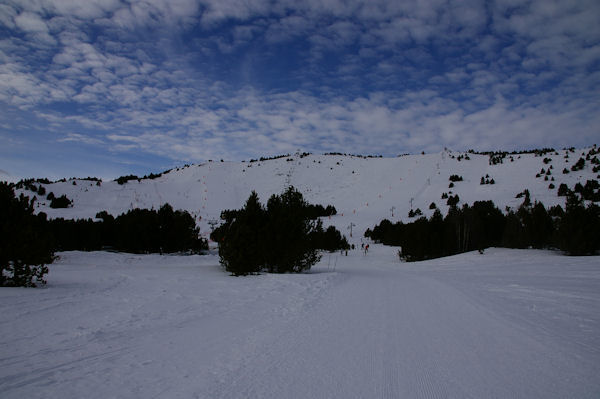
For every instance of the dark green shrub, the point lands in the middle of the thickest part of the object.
(329, 240)
(563, 190)
(124, 179)
(453, 200)
(579, 165)
(60, 202)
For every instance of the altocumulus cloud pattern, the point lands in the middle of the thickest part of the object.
(109, 86)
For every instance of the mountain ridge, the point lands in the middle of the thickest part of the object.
(364, 189)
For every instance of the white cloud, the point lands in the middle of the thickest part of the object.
(284, 29)
(525, 81)
(81, 138)
(7, 15)
(30, 22)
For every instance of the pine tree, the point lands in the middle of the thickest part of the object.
(278, 239)
(25, 247)
(514, 232)
(242, 244)
(289, 231)
(541, 229)
(578, 228)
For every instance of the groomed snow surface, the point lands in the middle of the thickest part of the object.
(505, 324)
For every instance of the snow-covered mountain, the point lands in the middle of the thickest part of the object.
(503, 323)
(364, 190)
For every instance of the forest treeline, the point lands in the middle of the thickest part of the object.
(285, 236)
(573, 230)
(137, 231)
(28, 241)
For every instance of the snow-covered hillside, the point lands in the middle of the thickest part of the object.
(363, 190)
(506, 324)
(503, 324)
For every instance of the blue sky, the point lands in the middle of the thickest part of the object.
(111, 87)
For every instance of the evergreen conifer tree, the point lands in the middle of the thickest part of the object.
(25, 247)
(242, 241)
(578, 228)
(279, 238)
(290, 247)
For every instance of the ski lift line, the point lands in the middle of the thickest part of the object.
(350, 227)
(423, 188)
(160, 199)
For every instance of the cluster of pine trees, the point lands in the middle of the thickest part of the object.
(278, 238)
(573, 230)
(137, 231)
(28, 241)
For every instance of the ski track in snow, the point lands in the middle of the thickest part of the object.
(506, 324)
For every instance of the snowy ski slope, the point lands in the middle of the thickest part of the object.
(506, 324)
(363, 190)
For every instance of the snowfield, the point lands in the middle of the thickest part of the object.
(505, 324)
